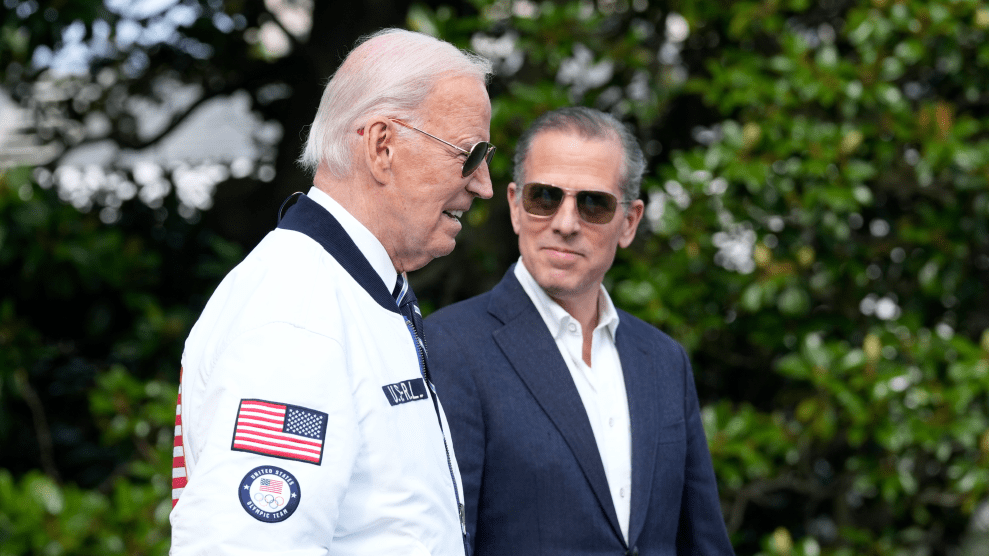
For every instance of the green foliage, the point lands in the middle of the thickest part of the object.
(90, 337)
(861, 180)
(39, 516)
(816, 235)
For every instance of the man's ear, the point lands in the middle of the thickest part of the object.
(379, 150)
(514, 207)
(630, 222)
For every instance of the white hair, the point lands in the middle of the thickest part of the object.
(390, 74)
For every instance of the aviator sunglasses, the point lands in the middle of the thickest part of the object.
(482, 151)
(595, 207)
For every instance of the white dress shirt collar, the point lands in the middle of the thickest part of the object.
(556, 317)
(370, 246)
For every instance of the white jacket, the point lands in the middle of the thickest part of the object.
(291, 335)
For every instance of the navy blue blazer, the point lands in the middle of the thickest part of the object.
(533, 479)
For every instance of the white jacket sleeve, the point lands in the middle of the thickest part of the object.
(280, 365)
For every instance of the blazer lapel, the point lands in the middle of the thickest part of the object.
(531, 350)
(641, 386)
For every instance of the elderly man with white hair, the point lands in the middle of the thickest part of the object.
(307, 423)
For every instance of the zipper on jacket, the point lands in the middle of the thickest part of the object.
(449, 461)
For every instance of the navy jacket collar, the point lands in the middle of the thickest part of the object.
(308, 217)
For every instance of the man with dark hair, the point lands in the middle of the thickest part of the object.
(576, 425)
(307, 423)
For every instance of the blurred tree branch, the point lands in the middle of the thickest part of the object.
(42, 432)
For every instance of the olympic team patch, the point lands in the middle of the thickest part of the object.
(269, 494)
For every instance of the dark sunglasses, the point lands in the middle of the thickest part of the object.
(482, 151)
(595, 207)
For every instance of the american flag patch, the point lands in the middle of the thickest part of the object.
(271, 485)
(280, 430)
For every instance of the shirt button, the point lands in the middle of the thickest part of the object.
(611, 421)
(572, 327)
(621, 492)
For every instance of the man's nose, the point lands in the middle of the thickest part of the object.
(480, 182)
(566, 221)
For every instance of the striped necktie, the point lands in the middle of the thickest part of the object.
(407, 304)
(409, 308)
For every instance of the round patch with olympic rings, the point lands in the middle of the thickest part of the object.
(269, 493)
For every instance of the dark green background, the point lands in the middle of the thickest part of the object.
(844, 142)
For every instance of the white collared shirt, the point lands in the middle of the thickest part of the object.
(601, 386)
